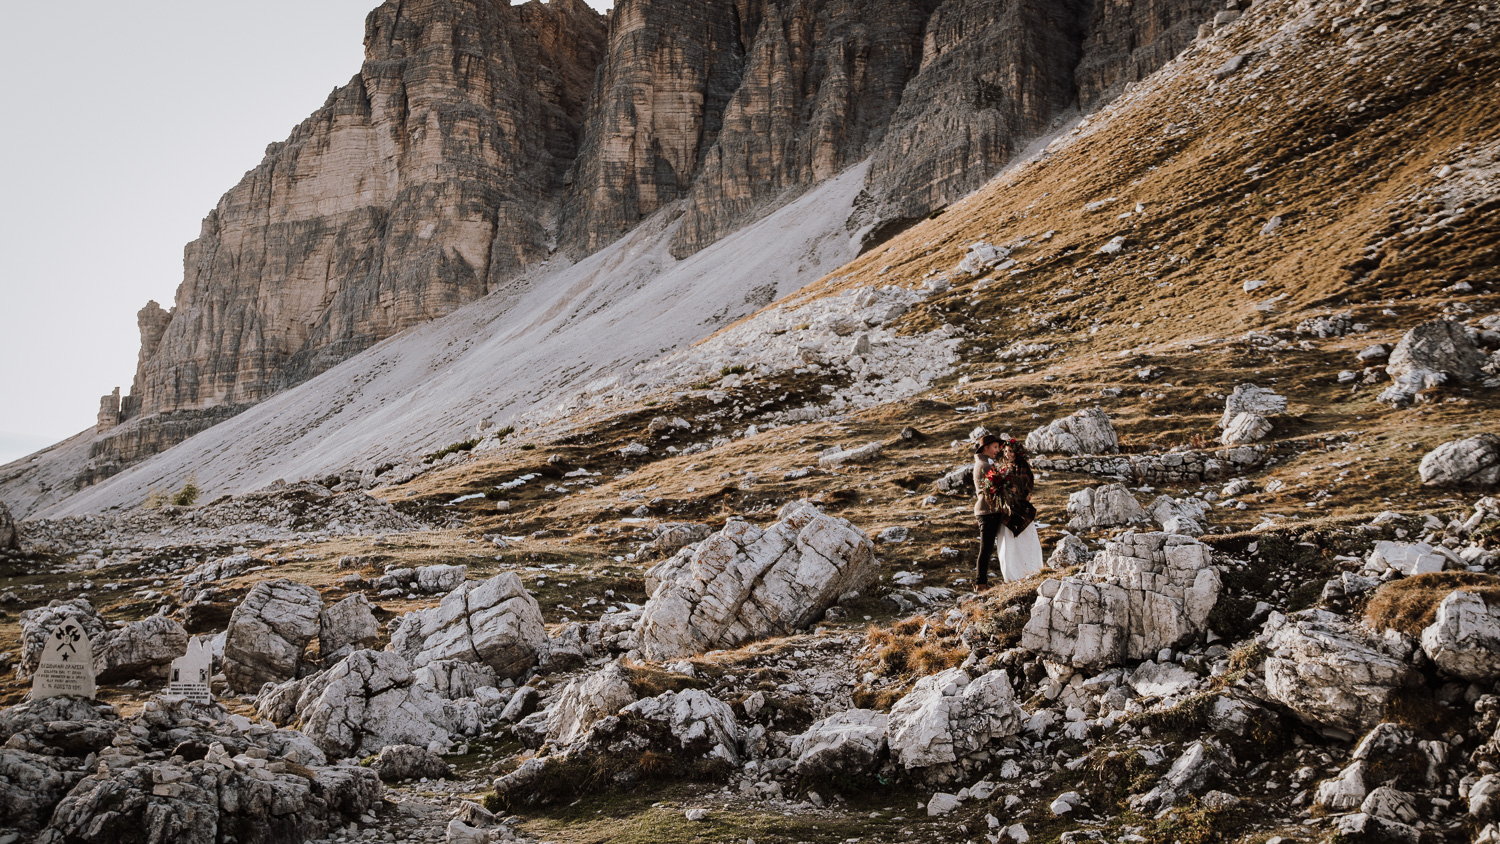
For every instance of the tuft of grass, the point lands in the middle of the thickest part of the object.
(568, 777)
(737, 369)
(1114, 776)
(650, 681)
(1187, 717)
(913, 647)
(466, 445)
(1247, 656)
(1409, 604)
(188, 495)
(1189, 822)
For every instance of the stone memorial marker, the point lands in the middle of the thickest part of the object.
(67, 663)
(191, 672)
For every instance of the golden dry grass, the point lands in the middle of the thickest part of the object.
(1409, 604)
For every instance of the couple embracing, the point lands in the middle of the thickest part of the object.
(1007, 518)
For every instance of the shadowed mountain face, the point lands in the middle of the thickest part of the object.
(480, 139)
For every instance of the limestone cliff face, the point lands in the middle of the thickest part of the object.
(479, 137)
(1127, 40)
(730, 104)
(415, 184)
(993, 76)
(821, 83)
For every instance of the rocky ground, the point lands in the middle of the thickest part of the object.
(1245, 318)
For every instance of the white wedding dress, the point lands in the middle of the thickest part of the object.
(1020, 556)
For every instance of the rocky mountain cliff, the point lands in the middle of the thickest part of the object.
(480, 139)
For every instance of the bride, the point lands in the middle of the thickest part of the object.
(1003, 479)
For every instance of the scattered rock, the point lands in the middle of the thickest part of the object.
(745, 583)
(1464, 640)
(1409, 558)
(268, 632)
(10, 538)
(496, 623)
(1085, 432)
(453, 679)
(1105, 506)
(1438, 346)
(863, 454)
(947, 717)
(368, 701)
(1245, 428)
(850, 742)
(346, 626)
(142, 649)
(1145, 592)
(409, 762)
(1248, 398)
(586, 700)
(1330, 673)
(1474, 461)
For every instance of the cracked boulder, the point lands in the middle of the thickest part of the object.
(850, 742)
(587, 699)
(453, 679)
(946, 717)
(1144, 592)
(409, 762)
(1245, 428)
(495, 623)
(1464, 639)
(268, 633)
(1104, 506)
(143, 648)
(1085, 432)
(345, 627)
(1329, 672)
(1248, 398)
(1438, 346)
(1474, 461)
(368, 701)
(744, 583)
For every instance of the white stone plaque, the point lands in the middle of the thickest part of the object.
(191, 672)
(67, 664)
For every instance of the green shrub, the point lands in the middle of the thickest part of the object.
(466, 445)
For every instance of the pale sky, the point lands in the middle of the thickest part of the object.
(125, 123)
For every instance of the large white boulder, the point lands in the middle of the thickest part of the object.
(1464, 640)
(346, 626)
(1245, 427)
(587, 699)
(744, 583)
(496, 623)
(1104, 506)
(1409, 558)
(695, 718)
(1179, 515)
(368, 701)
(1439, 346)
(1329, 672)
(268, 632)
(947, 717)
(1085, 432)
(141, 649)
(1144, 592)
(1474, 461)
(453, 679)
(1248, 398)
(849, 742)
